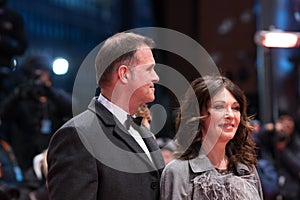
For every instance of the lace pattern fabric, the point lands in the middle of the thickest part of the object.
(212, 185)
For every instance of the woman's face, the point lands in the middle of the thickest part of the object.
(223, 118)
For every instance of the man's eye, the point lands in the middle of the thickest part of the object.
(151, 69)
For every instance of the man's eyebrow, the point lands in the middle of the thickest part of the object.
(149, 65)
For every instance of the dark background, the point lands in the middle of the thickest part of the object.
(226, 29)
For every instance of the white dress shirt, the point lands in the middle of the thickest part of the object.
(121, 115)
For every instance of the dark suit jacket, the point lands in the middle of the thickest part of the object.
(93, 157)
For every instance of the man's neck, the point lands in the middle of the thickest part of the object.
(123, 103)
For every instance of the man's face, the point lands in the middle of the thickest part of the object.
(285, 124)
(43, 76)
(142, 76)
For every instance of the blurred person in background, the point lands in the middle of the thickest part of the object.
(10, 174)
(13, 40)
(34, 110)
(13, 43)
(287, 157)
(167, 146)
(35, 178)
(143, 114)
(279, 158)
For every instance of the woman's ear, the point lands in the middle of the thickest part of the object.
(123, 73)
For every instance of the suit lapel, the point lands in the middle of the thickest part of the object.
(123, 134)
(118, 130)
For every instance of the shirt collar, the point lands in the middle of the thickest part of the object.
(118, 112)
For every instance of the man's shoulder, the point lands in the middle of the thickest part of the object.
(87, 120)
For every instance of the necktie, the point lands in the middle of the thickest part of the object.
(138, 120)
(134, 122)
(148, 139)
(137, 133)
(143, 131)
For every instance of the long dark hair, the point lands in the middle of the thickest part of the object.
(241, 149)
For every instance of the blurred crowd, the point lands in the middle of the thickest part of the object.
(31, 109)
(278, 148)
(30, 113)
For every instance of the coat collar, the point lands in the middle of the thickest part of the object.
(106, 116)
(120, 131)
(110, 121)
(201, 164)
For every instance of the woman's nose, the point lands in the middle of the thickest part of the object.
(229, 112)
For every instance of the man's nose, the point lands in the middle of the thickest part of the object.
(155, 77)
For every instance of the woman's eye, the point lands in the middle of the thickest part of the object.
(237, 108)
(218, 107)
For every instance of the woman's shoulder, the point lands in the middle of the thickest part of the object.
(177, 171)
(176, 165)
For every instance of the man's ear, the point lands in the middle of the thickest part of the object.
(123, 73)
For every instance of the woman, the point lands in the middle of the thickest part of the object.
(216, 157)
(144, 113)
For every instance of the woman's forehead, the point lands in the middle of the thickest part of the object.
(224, 95)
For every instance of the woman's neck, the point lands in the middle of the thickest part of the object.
(218, 158)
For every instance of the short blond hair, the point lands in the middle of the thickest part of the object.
(143, 111)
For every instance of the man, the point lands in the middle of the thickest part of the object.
(13, 40)
(34, 110)
(101, 153)
(13, 43)
(279, 158)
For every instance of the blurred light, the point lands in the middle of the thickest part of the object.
(246, 16)
(285, 65)
(279, 39)
(60, 66)
(226, 26)
(216, 57)
(297, 16)
(297, 10)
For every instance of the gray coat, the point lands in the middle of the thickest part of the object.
(93, 157)
(178, 179)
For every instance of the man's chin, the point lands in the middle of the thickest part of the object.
(149, 100)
